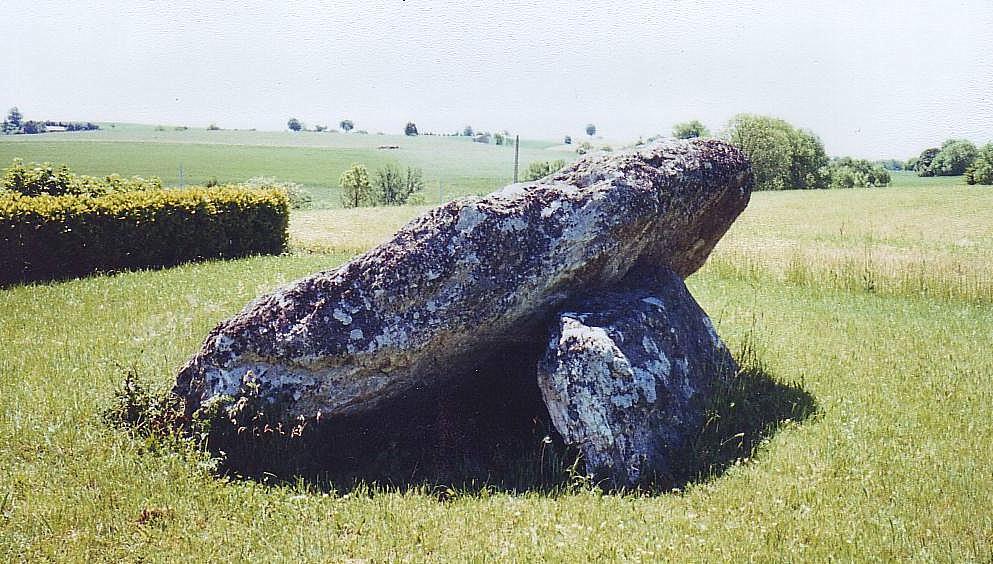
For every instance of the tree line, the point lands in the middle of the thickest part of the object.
(15, 124)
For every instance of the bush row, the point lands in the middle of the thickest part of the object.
(52, 237)
(36, 179)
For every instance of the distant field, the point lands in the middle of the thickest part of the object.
(877, 303)
(453, 166)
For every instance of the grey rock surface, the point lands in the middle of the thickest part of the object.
(628, 374)
(470, 277)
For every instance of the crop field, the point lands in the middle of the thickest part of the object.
(453, 166)
(877, 305)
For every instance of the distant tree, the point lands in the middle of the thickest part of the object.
(498, 138)
(846, 172)
(346, 125)
(690, 130)
(356, 191)
(541, 169)
(394, 186)
(923, 165)
(468, 131)
(981, 169)
(7, 128)
(211, 127)
(782, 156)
(890, 164)
(567, 140)
(590, 130)
(294, 124)
(954, 157)
(482, 138)
(584, 147)
(320, 128)
(410, 129)
(14, 117)
(33, 127)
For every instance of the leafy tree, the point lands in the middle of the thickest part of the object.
(590, 129)
(846, 172)
(567, 140)
(954, 157)
(584, 147)
(981, 169)
(356, 191)
(468, 131)
(498, 138)
(410, 129)
(541, 169)
(924, 164)
(33, 127)
(394, 186)
(211, 127)
(911, 164)
(690, 130)
(782, 156)
(294, 124)
(14, 117)
(320, 128)
(346, 125)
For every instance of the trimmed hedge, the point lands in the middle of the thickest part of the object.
(54, 237)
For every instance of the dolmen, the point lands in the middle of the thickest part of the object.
(584, 266)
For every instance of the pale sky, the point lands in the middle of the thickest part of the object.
(871, 78)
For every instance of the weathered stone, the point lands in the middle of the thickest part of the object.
(628, 374)
(472, 276)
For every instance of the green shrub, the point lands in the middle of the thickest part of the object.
(299, 197)
(34, 179)
(846, 172)
(541, 169)
(356, 190)
(395, 187)
(52, 237)
(690, 130)
(981, 169)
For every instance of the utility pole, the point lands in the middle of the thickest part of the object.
(517, 155)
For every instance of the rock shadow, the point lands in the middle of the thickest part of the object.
(490, 430)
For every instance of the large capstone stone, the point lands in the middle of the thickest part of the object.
(469, 278)
(628, 374)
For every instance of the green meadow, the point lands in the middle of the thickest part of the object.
(876, 303)
(453, 166)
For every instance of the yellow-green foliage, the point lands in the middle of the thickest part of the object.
(36, 179)
(49, 237)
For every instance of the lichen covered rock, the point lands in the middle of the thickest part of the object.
(471, 276)
(628, 374)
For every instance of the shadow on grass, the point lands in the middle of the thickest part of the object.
(492, 431)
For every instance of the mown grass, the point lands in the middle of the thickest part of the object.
(893, 466)
(453, 166)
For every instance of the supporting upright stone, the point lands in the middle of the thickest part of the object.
(628, 374)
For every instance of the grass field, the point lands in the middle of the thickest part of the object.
(877, 302)
(453, 166)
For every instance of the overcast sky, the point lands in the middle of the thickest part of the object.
(873, 79)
